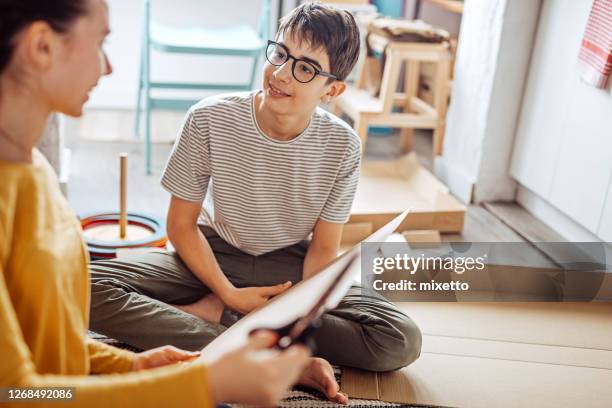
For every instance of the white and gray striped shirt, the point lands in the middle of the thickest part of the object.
(260, 194)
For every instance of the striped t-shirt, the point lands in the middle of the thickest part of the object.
(261, 194)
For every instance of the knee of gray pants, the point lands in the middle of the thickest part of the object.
(404, 351)
(412, 342)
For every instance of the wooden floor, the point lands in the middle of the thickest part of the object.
(94, 177)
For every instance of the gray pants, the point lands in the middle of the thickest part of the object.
(130, 300)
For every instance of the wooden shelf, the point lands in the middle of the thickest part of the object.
(453, 6)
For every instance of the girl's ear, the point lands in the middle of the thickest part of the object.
(335, 89)
(39, 42)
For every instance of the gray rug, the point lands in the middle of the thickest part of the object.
(299, 397)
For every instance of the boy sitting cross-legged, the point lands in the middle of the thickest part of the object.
(252, 176)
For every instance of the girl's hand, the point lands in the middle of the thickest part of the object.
(161, 356)
(255, 374)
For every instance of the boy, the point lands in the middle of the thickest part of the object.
(251, 176)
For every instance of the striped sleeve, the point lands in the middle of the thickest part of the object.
(337, 208)
(187, 172)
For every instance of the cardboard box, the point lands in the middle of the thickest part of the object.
(387, 188)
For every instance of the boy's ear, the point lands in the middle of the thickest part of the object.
(335, 89)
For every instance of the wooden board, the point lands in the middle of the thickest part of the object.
(565, 324)
(482, 226)
(422, 236)
(387, 188)
(523, 222)
(506, 350)
(532, 229)
(354, 232)
(501, 355)
(460, 381)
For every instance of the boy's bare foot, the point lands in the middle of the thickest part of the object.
(209, 308)
(319, 375)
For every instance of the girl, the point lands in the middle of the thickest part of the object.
(51, 57)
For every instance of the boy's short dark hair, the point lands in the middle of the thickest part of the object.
(327, 27)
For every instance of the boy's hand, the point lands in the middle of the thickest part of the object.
(244, 300)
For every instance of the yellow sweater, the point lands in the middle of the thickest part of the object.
(44, 306)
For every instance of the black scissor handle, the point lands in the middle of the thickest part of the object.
(285, 340)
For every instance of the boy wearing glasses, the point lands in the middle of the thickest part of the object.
(252, 176)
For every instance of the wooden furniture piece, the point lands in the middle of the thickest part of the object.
(367, 110)
(386, 188)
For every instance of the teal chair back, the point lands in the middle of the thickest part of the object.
(234, 40)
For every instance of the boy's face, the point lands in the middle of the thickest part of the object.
(284, 95)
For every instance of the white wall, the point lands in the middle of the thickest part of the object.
(563, 150)
(123, 47)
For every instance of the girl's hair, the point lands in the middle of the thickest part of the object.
(15, 15)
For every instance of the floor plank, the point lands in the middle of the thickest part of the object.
(482, 226)
(515, 351)
(563, 324)
(94, 178)
(523, 222)
(459, 381)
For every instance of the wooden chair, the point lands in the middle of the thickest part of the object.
(367, 110)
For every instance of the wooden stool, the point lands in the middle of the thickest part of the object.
(367, 110)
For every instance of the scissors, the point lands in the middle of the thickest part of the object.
(301, 330)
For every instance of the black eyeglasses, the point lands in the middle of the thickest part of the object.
(302, 70)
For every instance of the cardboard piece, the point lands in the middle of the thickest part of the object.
(459, 381)
(500, 354)
(387, 188)
(299, 299)
(565, 324)
(422, 236)
(534, 353)
(354, 232)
